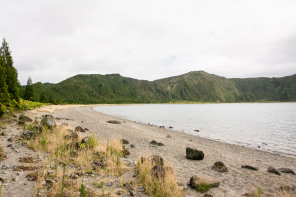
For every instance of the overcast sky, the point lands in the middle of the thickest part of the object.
(52, 40)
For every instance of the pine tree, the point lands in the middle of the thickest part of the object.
(29, 91)
(10, 71)
(43, 98)
(4, 96)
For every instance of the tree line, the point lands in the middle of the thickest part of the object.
(10, 88)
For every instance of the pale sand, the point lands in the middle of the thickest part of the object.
(236, 182)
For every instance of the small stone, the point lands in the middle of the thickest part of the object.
(132, 146)
(9, 145)
(79, 129)
(124, 141)
(114, 121)
(249, 167)
(219, 166)
(286, 170)
(196, 130)
(195, 181)
(207, 195)
(273, 171)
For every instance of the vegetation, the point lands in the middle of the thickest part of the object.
(191, 87)
(68, 160)
(29, 91)
(203, 187)
(158, 186)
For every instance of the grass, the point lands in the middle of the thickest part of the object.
(63, 155)
(157, 187)
(203, 187)
(2, 155)
(26, 105)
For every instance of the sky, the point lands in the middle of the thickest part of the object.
(52, 40)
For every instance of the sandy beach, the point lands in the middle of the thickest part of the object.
(236, 182)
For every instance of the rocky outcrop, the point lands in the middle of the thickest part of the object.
(194, 154)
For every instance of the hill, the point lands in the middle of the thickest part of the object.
(197, 86)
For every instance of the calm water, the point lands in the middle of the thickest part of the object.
(272, 126)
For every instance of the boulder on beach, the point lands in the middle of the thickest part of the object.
(195, 181)
(219, 166)
(48, 121)
(273, 171)
(114, 121)
(155, 143)
(124, 141)
(72, 136)
(194, 154)
(286, 170)
(79, 129)
(249, 167)
(24, 118)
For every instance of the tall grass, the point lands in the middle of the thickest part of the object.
(157, 187)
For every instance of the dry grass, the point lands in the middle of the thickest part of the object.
(69, 156)
(158, 187)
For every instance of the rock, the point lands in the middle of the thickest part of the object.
(48, 121)
(132, 146)
(196, 130)
(250, 167)
(9, 145)
(207, 195)
(73, 145)
(124, 141)
(24, 118)
(162, 127)
(170, 127)
(194, 154)
(32, 176)
(273, 171)
(79, 129)
(219, 166)
(155, 160)
(289, 189)
(4, 167)
(155, 143)
(114, 121)
(21, 122)
(72, 136)
(158, 171)
(195, 181)
(125, 151)
(26, 159)
(27, 134)
(85, 140)
(286, 170)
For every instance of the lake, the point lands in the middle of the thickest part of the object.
(266, 126)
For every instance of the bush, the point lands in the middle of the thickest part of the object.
(2, 109)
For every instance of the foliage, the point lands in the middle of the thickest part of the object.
(29, 91)
(203, 187)
(25, 105)
(189, 88)
(82, 190)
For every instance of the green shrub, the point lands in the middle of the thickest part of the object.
(203, 187)
(2, 109)
(82, 190)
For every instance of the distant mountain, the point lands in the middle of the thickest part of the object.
(197, 86)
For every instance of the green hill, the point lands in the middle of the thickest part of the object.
(196, 86)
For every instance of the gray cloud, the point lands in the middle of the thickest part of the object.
(52, 40)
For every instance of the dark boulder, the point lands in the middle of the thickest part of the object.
(195, 181)
(273, 171)
(27, 134)
(114, 121)
(155, 143)
(194, 154)
(286, 170)
(219, 166)
(24, 118)
(250, 167)
(79, 129)
(124, 141)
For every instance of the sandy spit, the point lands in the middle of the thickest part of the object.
(236, 182)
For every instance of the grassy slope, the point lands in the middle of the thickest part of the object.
(193, 86)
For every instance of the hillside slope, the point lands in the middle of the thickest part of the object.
(197, 86)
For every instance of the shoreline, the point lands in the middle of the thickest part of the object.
(236, 182)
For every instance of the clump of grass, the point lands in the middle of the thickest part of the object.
(203, 187)
(82, 190)
(2, 154)
(157, 187)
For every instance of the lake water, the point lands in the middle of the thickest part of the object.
(270, 126)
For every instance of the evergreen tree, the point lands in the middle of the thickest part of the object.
(29, 91)
(10, 71)
(4, 96)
